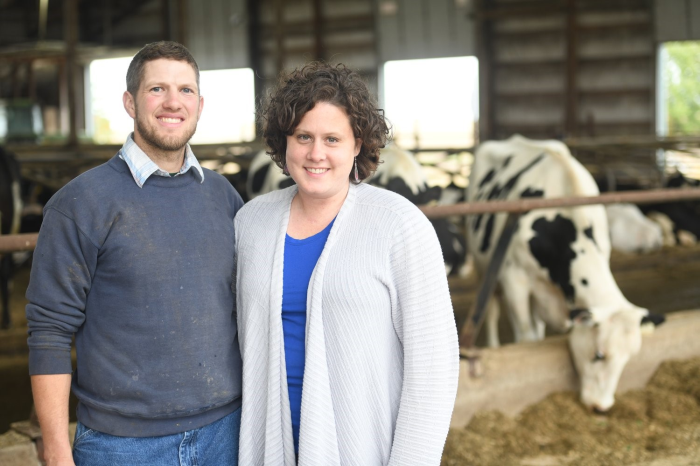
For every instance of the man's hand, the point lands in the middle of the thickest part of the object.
(51, 401)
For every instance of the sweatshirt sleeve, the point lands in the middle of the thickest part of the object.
(63, 264)
(424, 321)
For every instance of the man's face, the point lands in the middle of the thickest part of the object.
(166, 106)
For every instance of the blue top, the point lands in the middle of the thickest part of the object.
(300, 257)
(142, 278)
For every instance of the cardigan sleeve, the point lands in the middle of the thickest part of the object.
(424, 321)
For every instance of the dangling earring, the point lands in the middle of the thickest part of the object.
(357, 178)
(284, 169)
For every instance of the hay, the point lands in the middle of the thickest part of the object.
(653, 424)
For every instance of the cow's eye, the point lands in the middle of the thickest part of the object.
(599, 356)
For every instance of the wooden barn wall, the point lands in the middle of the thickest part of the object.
(290, 33)
(677, 20)
(553, 69)
(217, 33)
(138, 27)
(414, 29)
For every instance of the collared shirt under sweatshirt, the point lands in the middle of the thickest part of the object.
(142, 277)
(382, 361)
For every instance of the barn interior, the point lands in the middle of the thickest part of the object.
(615, 80)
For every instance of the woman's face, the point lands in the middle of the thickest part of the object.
(321, 152)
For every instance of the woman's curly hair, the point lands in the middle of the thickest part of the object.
(299, 91)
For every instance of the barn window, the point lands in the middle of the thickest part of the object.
(678, 104)
(229, 104)
(432, 103)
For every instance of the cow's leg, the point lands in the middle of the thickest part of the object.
(493, 313)
(5, 268)
(539, 326)
(516, 294)
(549, 309)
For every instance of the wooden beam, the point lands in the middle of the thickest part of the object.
(107, 22)
(531, 9)
(484, 54)
(319, 51)
(279, 35)
(571, 103)
(70, 32)
(255, 56)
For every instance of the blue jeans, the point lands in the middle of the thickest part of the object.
(214, 444)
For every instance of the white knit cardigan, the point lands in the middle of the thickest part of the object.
(382, 361)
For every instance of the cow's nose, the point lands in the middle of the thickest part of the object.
(598, 410)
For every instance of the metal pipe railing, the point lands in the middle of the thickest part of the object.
(27, 242)
(17, 243)
(523, 205)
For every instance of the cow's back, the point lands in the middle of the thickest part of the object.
(520, 168)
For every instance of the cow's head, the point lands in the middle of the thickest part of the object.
(602, 342)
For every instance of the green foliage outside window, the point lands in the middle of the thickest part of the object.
(682, 78)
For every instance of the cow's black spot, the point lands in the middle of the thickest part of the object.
(477, 222)
(425, 195)
(551, 246)
(259, 178)
(584, 282)
(495, 192)
(589, 234)
(502, 192)
(488, 231)
(287, 182)
(529, 192)
(487, 178)
(656, 319)
(452, 243)
(507, 161)
(579, 313)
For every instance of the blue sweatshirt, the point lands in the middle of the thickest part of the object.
(142, 277)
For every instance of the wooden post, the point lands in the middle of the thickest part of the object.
(571, 105)
(70, 32)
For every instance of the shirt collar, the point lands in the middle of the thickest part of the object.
(141, 165)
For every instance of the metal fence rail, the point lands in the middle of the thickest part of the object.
(27, 242)
(523, 205)
(17, 243)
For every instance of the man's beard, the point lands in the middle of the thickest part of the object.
(165, 143)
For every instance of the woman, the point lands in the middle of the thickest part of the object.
(341, 294)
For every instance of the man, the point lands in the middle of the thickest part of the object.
(136, 258)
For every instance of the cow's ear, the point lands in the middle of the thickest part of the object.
(581, 316)
(655, 319)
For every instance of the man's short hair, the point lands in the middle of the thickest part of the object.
(155, 50)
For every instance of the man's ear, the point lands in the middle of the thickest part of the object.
(129, 104)
(201, 107)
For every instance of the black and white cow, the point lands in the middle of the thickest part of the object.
(10, 217)
(398, 172)
(679, 220)
(685, 215)
(556, 269)
(264, 176)
(631, 231)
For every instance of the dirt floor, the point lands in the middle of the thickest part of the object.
(659, 425)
